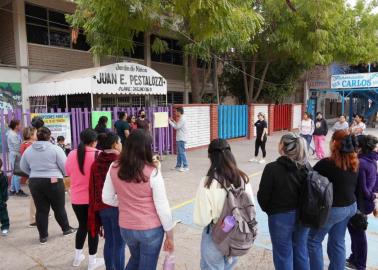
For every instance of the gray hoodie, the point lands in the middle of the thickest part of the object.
(43, 160)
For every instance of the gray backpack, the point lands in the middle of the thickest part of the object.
(239, 240)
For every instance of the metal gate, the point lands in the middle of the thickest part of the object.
(232, 121)
(282, 117)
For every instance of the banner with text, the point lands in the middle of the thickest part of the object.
(58, 123)
(358, 80)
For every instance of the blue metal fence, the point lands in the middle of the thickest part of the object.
(232, 121)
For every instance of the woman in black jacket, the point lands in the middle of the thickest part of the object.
(320, 133)
(278, 196)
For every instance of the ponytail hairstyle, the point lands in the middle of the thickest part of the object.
(223, 166)
(294, 147)
(87, 136)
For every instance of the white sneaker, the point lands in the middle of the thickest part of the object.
(4, 232)
(96, 264)
(253, 160)
(262, 161)
(77, 261)
(184, 169)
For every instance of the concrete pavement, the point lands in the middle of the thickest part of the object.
(21, 248)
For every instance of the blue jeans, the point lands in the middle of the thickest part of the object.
(308, 139)
(335, 228)
(289, 241)
(211, 257)
(114, 248)
(15, 181)
(144, 247)
(181, 155)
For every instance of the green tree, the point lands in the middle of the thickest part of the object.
(203, 27)
(307, 33)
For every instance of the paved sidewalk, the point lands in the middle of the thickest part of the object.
(21, 248)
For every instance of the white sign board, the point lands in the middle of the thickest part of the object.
(124, 78)
(160, 119)
(359, 80)
(58, 123)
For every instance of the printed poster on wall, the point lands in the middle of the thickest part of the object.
(97, 114)
(58, 123)
(10, 96)
(160, 119)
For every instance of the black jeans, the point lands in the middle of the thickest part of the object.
(81, 212)
(4, 218)
(260, 143)
(46, 194)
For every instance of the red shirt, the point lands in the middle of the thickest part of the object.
(24, 146)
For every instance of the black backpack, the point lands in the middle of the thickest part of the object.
(316, 200)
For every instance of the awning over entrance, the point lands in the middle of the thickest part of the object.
(121, 78)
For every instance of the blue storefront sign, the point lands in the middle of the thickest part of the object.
(359, 80)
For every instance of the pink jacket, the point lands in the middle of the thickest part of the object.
(80, 182)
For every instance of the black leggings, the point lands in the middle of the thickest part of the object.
(81, 212)
(259, 143)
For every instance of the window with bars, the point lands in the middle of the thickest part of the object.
(49, 27)
(173, 55)
(122, 101)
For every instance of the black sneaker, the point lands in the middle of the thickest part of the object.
(12, 193)
(43, 240)
(33, 225)
(69, 231)
(21, 193)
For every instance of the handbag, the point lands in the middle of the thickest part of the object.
(17, 169)
(359, 221)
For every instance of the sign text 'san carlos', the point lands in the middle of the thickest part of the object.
(134, 80)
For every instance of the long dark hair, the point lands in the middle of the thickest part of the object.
(87, 136)
(102, 121)
(136, 154)
(223, 165)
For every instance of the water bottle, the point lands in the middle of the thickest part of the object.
(228, 223)
(169, 262)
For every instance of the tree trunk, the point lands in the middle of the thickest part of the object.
(252, 78)
(194, 79)
(245, 80)
(261, 81)
(215, 79)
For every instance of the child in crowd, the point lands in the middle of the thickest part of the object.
(4, 218)
(61, 143)
(29, 135)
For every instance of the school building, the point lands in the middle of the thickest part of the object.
(36, 41)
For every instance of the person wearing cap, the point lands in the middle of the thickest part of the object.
(261, 138)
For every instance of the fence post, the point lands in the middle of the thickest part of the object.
(251, 113)
(213, 122)
(271, 119)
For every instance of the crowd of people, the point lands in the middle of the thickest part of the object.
(117, 191)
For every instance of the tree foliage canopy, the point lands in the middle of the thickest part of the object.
(271, 42)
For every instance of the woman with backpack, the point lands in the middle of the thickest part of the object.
(78, 167)
(103, 215)
(211, 198)
(341, 169)
(278, 196)
(367, 179)
(136, 187)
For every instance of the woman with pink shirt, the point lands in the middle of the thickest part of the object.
(136, 186)
(78, 167)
